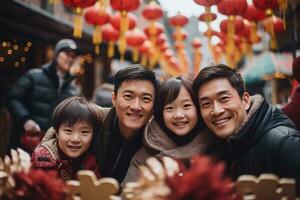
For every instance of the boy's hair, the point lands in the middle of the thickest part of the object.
(168, 92)
(75, 109)
(219, 71)
(135, 72)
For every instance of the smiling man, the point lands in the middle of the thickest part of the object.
(258, 137)
(121, 136)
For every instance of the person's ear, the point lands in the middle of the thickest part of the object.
(246, 100)
(113, 98)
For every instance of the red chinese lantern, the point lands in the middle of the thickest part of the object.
(152, 11)
(144, 49)
(178, 20)
(196, 43)
(163, 47)
(238, 25)
(232, 7)
(273, 25)
(207, 3)
(254, 15)
(207, 17)
(97, 17)
(116, 21)
(135, 38)
(265, 5)
(111, 35)
(125, 5)
(154, 32)
(78, 5)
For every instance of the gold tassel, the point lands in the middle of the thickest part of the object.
(253, 33)
(144, 60)
(97, 49)
(283, 6)
(122, 46)
(111, 49)
(78, 23)
(135, 54)
(97, 35)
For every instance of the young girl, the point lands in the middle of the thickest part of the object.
(67, 149)
(176, 130)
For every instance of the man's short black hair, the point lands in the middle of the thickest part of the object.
(219, 71)
(135, 72)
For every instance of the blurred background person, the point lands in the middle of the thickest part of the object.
(292, 108)
(35, 95)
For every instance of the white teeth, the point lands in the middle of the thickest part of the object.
(180, 123)
(221, 121)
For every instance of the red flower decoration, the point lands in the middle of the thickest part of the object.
(39, 184)
(203, 180)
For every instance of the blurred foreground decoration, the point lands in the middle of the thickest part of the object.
(89, 188)
(266, 186)
(19, 181)
(169, 180)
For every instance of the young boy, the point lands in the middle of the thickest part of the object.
(67, 149)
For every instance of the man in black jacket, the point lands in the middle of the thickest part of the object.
(38, 91)
(121, 135)
(257, 137)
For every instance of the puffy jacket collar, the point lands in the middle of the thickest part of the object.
(50, 70)
(262, 117)
(156, 141)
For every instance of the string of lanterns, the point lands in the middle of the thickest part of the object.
(114, 23)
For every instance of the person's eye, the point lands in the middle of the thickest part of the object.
(85, 132)
(146, 99)
(204, 105)
(68, 130)
(224, 99)
(127, 97)
(168, 108)
(188, 105)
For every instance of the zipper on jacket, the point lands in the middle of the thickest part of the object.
(118, 158)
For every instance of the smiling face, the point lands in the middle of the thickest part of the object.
(76, 139)
(221, 107)
(180, 116)
(134, 103)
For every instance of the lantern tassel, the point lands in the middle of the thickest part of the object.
(97, 49)
(111, 49)
(78, 23)
(144, 60)
(135, 54)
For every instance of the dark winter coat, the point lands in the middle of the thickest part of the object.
(36, 94)
(48, 156)
(265, 143)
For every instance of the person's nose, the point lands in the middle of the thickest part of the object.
(217, 109)
(75, 138)
(178, 114)
(136, 105)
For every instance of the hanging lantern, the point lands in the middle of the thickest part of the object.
(78, 5)
(207, 17)
(144, 49)
(196, 44)
(178, 20)
(110, 35)
(266, 5)
(254, 15)
(154, 30)
(124, 6)
(152, 11)
(207, 3)
(135, 38)
(96, 17)
(232, 7)
(273, 25)
(117, 22)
